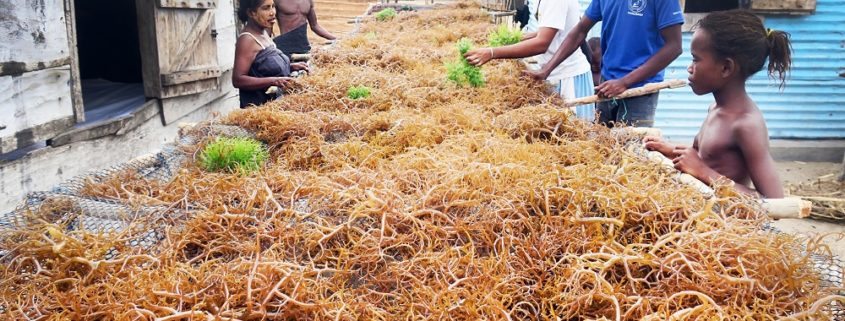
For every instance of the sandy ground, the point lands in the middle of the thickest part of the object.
(794, 173)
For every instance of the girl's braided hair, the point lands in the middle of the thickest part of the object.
(739, 34)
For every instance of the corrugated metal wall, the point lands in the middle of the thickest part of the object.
(813, 104)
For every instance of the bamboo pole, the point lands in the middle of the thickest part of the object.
(633, 92)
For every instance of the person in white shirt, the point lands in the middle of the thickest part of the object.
(572, 78)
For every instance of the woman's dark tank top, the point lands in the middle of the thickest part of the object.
(269, 62)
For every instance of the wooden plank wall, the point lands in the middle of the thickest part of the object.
(35, 106)
(35, 70)
(784, 6)
(34, 36)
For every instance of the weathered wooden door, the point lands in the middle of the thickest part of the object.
(36, 100)
(179, 54)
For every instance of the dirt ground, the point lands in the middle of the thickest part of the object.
(819, 179)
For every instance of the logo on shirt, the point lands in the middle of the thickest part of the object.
(636, 7)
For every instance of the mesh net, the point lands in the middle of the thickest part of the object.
(100, 215)
(110, 216)
(423, 201)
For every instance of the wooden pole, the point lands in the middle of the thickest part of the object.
(790, 207)
(633, 92)
(300, 57)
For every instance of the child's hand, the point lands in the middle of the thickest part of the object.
(478, 57)
(611, 88)
(688, 161)
(658, 144)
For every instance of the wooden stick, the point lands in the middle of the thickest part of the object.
(776, 208)
(300, 57)
(682, 177)
(789, 207)
(633, 92)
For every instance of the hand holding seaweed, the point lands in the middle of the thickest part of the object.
(462, 72)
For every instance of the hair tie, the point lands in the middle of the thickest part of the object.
(769, 32)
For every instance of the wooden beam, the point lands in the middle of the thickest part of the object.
(188, 4)
(173, 109)
(147, 35)
(190, 42)
(34, 134)
(633, 92)
(113, 126)
(187, 76)
(14, 68)
(300, 57)
(784, 6)
(195, 87)
(140, 116)
(75, 77)
(497, 14)
(790, 207)
(89, 132)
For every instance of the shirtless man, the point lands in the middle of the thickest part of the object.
(294, 16)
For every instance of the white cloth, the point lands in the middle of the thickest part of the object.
(531, 26)
(562, 15)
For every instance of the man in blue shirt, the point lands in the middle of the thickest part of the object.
(639, 38)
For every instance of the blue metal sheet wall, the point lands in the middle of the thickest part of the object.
(813, 104)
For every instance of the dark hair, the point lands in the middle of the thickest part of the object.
(245, 7)
(739, 34)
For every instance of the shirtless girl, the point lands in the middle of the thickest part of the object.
(294, 17)
(733, 142)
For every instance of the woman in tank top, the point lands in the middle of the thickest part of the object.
(258, 63)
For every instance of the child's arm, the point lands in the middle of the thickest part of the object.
(527, 48)
(671, 49)
(528, 35)
(753, 140)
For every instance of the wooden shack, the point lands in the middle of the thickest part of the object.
(87, 84)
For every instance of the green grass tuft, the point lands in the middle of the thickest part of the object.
(233, 155)
(386, 14)
(358, 92)
(504, 35)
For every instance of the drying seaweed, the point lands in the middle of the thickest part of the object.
(504, 35)
(423, 201)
